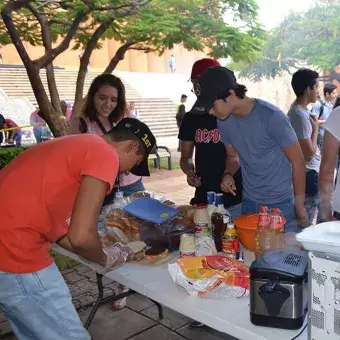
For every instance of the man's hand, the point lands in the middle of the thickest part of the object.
(117, 255)
(228, 184)
(193, 180)
(315, 123)
(302, 217)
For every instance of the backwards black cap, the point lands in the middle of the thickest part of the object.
(214, 82)
(147, 139)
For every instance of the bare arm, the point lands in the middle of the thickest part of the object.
(232, 160)
(295, 156)
(330, 153)
(82, 234)
(309, 145)
(187, 151)
(232, 165)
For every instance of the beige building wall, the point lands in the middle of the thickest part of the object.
(134, 61)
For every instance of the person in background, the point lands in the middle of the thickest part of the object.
(66, 110)
(41, 130)
(180, 111)
(199, 133)
(329, 164)
(38, 124)
(184, 99)
(336, 102)
(323, 108)
(60, 203)
(258, 137)
(180, 115)
(172, 64)
(133, 111)
(305, 83)
(104, 108)
(2, 123)
(11, 136)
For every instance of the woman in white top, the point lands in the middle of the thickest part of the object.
(329, 162)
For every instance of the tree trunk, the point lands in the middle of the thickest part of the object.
(78, 100)
(48, 113)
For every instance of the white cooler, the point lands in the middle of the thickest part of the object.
(323, 243)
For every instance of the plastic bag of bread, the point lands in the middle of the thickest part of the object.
(155, 196)
(118, 218)
(116, 235)
(134, 225)
(104, 239)
(211, 276)
(187, 210)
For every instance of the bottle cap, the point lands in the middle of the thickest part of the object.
(219, 199)
(226, 219)
(263, 209)
(201, 206)
(230, 226)
(275, 211)
(210, 197)
(119, 194)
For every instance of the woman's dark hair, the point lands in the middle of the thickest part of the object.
(337, 102)
(118, 113)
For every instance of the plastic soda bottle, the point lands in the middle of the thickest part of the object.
(262, 230)
(276, 229)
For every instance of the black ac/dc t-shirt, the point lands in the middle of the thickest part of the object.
(210, 157)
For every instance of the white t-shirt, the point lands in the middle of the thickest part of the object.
(332, 125)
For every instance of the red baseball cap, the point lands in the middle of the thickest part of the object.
(200, 66)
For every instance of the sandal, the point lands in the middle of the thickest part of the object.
(120, 304)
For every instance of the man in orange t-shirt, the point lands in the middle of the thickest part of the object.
(53, 192)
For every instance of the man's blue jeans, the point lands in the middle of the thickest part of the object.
(286, 207)
(39, 306)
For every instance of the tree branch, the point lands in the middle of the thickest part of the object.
(119, 55)
(145, 49)
(135, 4)
(63, 46)
(44, 26)
(84, 62)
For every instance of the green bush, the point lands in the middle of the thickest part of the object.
(8, 154)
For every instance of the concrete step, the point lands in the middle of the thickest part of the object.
(158, 113)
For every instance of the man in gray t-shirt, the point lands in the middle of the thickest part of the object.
(305, 84)
(259, 137)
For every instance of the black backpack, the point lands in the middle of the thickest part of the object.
(322, 108)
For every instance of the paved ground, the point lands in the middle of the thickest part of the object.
(139, 320)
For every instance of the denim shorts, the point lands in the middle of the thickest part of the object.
(39, 306)
(286, 207)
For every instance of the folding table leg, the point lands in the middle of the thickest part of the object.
(96, 305)
(160, 309)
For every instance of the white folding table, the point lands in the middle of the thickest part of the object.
(230, 315)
